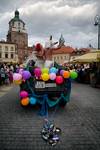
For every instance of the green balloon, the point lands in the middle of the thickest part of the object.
(73, 74)
(45, 70)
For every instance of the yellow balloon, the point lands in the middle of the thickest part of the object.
(45, 76)
(25, 101)
(17, 82)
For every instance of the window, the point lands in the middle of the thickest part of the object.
(61, 57)
(12, 55)
(6, 55)
(18, 24)
(0, 55)
(6, 48)
(0, 47)
(65, 57)
(12, 48)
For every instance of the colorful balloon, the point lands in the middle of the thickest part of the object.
(37, 72)
(25, 101)
(26, 74)
(52, 76)
(23, 94)
(66, 74)
(17, 82)
(17, 76)
(32, 100)
(53, 70)
(61, 72)
(73, 74)
(45, 70)
(45, 77)
(59, 79)
(21, 71)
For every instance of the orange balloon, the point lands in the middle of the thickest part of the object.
(25, 101)
(66, 74)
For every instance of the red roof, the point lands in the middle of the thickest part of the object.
(63, 50)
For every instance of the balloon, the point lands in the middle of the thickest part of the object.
(37, 72)
(66, 74)
(61, 72)
(32, 100)
(45, 77)
(17, 76)
(53, 70)
(25, 101)
(21, 71)
(17, 70)
(17, 82)
(45, 70)
(73, 74)
(59, 79)
(52, 76)
(26, 74)
(23, 94)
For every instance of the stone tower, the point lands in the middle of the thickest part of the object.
(18, 34)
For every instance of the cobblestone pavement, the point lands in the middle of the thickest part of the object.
(4, 89)
(79, 120)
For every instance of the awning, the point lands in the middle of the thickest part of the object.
(93, 56)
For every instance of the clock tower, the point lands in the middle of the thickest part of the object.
(17, 34)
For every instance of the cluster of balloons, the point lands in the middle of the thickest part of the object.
(44, 74)
(53, 74)
(20, 76)
(25, 99)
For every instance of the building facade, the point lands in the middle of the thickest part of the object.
(17, 34)
(62, 55)
(8, 52)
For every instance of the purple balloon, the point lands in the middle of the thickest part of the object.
(61, 72)
(26, 74)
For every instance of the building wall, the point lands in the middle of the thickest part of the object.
(61, 58)
(8, 52)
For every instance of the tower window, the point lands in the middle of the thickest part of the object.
(19, 24)
(0, 55)
(6, 55)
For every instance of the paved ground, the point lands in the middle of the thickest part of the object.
(79, 120)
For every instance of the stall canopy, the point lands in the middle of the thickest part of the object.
(93, 56)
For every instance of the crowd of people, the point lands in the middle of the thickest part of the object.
(6, 73)
(86, 73)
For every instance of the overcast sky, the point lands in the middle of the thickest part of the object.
(72, 18)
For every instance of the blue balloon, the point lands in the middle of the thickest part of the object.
(32, 100)
(53, 70)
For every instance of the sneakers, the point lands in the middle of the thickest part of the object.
(50, 133)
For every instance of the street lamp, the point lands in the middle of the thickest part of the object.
(97, 23)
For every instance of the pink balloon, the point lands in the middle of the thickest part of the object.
(23, 94)
(37, 72)
(52, 76)
(59, 79)
(17, 76)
